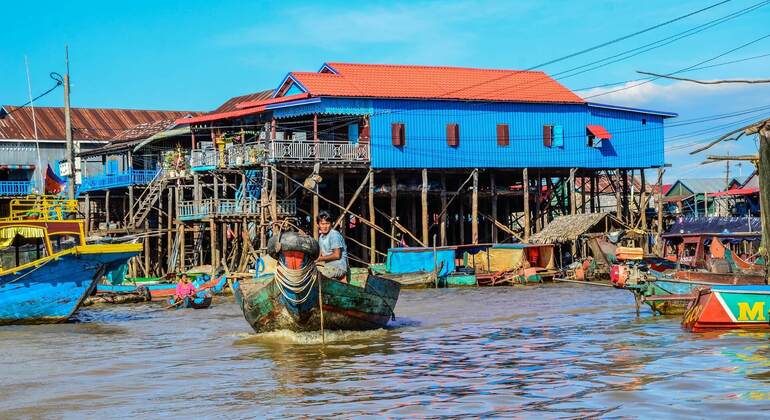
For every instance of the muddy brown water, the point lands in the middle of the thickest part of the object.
(553, 351)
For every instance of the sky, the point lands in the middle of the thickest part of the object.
(194, 55)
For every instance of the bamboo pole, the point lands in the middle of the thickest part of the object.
(475, 208)
(527, 215)
(393, 208)
(424, 206)
(372, 232)
(340, 196)
(442, 219)
(493, 205)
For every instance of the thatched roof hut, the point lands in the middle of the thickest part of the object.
(569, 228)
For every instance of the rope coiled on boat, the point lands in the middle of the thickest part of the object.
(299, 282)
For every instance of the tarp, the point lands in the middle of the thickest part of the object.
(497, 259)
(720, 225)
(410, 260)
(512, 257)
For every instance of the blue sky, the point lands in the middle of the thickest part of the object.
(194, 55)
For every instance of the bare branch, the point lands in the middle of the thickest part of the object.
(725, 137)
(705, 82)
(712, 158)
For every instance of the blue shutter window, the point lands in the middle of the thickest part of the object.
(112, 167)
(353, 133)
(558, 136)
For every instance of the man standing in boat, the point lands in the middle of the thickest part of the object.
(333, 258)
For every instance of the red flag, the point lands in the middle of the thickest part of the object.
(53, 184)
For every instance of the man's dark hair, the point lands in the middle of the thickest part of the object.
(324, 216)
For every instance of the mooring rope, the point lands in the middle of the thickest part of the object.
(298, 281)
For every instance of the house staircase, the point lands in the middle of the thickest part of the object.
(146, 201)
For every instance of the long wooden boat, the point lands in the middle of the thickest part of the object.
(62, 269)
(729, 307)
(670, 294)
(162, 291)
(279, 301)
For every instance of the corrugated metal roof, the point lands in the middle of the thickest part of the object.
(432, 82)
(230, 104)
(704, 185)
(99, 124)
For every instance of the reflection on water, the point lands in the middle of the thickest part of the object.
(551, 351)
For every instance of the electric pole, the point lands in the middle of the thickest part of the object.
(68, 128)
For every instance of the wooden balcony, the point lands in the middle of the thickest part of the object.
(118, 179)
(304, 152)
(204, 209)
(326, 152)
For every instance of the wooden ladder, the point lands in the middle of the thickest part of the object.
(146, 201)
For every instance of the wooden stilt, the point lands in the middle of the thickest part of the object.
(442, 226)
(341, 198)
(659, 203)
(274, 197)
(493, 204)
(424, 206)
(169, 227)
(107, 208)
(538, 201)
(462, 221)
(213, 239)
(626, 208)
(583, 204)
(182, 249)
(263, 204)
(393, 208)
(571, 192)
(475, 208)
(372, 232)
(527, 213)
(364, 231)
(147, 250)
(592, 179)
(619, 202)
(88, 213)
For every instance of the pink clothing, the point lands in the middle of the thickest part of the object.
(184, 289)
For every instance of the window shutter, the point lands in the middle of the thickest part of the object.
(547, 135)
(502, 135)
(398, 134)
(558, 136)
(453, 135)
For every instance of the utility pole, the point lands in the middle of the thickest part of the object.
(68, 128)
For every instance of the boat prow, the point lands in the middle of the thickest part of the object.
(729, 307)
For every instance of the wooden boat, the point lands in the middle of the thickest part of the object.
(162, 291)
(289, 298)
(729, 307)
(670, 294)
(196, 302)
(48, 270)
(417, 267)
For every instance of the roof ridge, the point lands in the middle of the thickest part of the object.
(332, 64)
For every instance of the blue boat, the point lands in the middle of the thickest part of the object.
(47, 269)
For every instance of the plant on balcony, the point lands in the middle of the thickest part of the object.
(256, 154)
(175, 162)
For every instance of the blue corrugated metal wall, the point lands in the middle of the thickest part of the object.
(633, 145)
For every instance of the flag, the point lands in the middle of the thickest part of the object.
(53, 183)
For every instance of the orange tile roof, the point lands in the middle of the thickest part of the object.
(430, 82)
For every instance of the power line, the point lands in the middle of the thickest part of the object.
(586, 50)
(53, 75)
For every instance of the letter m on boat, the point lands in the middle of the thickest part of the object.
(755, 312)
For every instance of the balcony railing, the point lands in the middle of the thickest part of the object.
(117, 180)
(13, 188)
(192, 210)
(246, 154)
(321, 151)
(204, 159)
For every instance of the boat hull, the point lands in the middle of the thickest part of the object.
(345, 306)
(416, 280)
(671, 295)
(729, 307)
(52, 290)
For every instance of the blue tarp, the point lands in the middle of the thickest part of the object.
(410, 260)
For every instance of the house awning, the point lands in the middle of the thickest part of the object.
(599, 132)
(18, 167)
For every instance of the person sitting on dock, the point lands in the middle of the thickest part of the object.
(333, 258)
(184, 288)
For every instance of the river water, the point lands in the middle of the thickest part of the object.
(547, 351)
